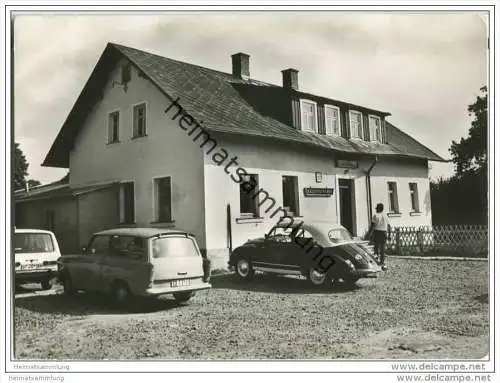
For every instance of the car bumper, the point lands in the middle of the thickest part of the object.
(366, 273)
(162, 290)
(35, 276)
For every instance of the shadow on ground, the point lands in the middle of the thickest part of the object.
(279, 284)
(83, 304)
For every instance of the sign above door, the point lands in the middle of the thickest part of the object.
(348, 164)
(318, 192)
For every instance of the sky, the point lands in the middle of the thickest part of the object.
(423, 68)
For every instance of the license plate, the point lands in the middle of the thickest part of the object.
(31, 266)
(180, 283)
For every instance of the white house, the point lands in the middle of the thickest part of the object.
(158, 142)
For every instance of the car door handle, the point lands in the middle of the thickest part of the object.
(181, 273)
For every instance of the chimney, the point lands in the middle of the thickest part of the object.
(290, 78)
(241, 65)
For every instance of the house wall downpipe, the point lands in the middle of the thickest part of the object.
(369, 188)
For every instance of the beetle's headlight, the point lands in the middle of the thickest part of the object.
(350, 264)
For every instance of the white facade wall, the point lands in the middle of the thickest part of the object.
(403, 173)
(165, 151)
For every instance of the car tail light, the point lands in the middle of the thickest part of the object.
(18, 264)
(150, 274)
(350, 264)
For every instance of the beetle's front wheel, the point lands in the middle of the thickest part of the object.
(316, 278)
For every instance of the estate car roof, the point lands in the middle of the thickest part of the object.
(39, 231)
(145, 232)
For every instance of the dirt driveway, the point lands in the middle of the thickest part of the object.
(418, 309)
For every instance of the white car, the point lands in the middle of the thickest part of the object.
(36, 253)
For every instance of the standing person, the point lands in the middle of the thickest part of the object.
(380, 228)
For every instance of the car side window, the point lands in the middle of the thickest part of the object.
(99, 245)
(128, 247)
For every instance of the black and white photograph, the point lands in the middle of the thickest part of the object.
(274, 188)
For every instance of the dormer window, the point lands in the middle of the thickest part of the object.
(375, 127)
(356, 124)
(309, 116)
(332, 120)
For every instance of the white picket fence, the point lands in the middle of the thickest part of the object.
(467, 239)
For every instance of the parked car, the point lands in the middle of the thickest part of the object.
(322, 252)
(136, 262)
(35, 257)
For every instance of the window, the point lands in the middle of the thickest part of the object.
(127, 203)
(309, 116)
(375, 127)
(332, 120)
(356, 124)
(174, 246)
(163, 199)
(99, 245)
(140, 120)
(414, 197)
(125, 246)
(113, 127)
(393, 197)
(33, 243)
(339, 235)
(291, 195)
(249, 186)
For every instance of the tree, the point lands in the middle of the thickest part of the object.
(470, 153)
(21, 170)
(463, 198)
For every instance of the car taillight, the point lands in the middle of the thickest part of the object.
(18, 264)
(350, 264)
(150, 274)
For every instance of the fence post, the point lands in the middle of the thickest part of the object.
(398, 244)
(420, 237)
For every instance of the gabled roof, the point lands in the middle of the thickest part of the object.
(219, 100)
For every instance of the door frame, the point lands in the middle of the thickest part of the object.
(350, 178)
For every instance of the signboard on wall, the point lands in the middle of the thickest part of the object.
(348, 164)
(318, 192)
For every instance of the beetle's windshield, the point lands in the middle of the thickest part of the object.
(339, 235)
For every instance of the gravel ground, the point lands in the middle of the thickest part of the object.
(418, 309)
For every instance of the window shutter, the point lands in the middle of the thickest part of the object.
(384, 131)
(344, 125)
(347, 125)
(366, 128)
(321, 119)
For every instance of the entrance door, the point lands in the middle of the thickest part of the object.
(346, 200)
